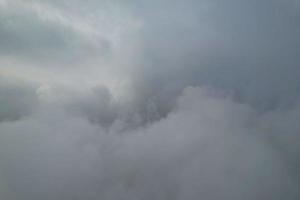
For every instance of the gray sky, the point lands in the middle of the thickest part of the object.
(149, 99)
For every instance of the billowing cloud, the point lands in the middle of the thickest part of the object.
(149, 99)
(208, 147)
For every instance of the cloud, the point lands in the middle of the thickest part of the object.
(36, 31)
(97, 106)
(149, 99)
(208, 147)
(17, 99)
(237, 45)
(126, 47)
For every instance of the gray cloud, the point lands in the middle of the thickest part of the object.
(209, 147)
(97, 106)
(113, 116)
(40, 32)
(237, 45)
(17, 99)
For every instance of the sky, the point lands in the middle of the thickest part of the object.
(149, 100)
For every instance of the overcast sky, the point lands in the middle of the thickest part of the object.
(152, 100)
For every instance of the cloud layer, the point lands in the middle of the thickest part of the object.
(149, 100)
(208, 147)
